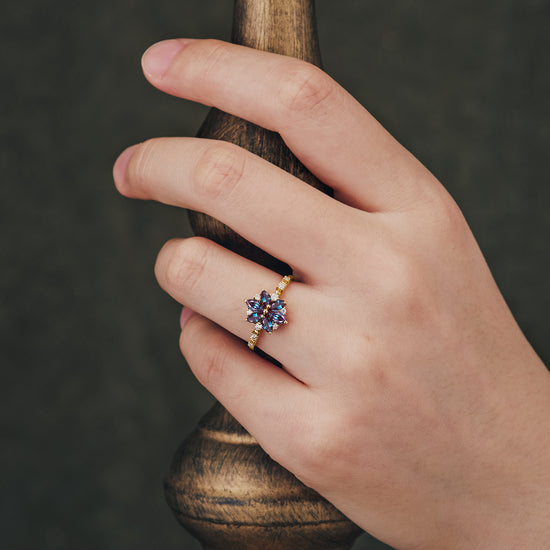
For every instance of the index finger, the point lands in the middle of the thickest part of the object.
(325, 127)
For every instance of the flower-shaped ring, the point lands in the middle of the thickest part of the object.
(267, 312)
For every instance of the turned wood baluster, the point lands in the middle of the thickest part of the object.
(222, 487)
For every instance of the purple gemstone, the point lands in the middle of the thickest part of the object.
(254, 317)
(267, 324)
(265, 297)
(278, 304)
(254, 305)
(278, 318)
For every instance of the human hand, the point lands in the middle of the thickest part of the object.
(409, 397)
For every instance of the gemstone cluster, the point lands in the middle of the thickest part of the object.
(267, 312)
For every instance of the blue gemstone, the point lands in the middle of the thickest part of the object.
(254, 317)
(278, 304)
(265, 297)
(254, 305)
(278, 318)
(267, 324)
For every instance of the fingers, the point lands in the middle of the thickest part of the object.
(215, 283)
(261, 202)
(262, 397)
(331, 133)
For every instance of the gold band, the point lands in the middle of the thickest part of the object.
(254, 338)
(252, 341)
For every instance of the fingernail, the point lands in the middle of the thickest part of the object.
(119, 169)
(158, 58)
(185, 314)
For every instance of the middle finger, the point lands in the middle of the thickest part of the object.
(266, 205)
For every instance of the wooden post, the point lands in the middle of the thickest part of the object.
(222, 487)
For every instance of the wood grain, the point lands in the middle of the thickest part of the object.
(230, 495)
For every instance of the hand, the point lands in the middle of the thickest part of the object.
(409, 397)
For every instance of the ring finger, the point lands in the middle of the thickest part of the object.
(216, 282)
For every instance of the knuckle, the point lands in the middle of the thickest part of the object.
(412, 299)
(191, 334)
(211, 57)
(443, 214)
(408, 277)
(314, 448)
(141, 165)
(213, 366)
(305, 88)
(376, 375)
(219, 170)
(452, 219)
(402, 285)
(181, 264)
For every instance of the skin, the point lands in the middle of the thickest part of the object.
(409, 396)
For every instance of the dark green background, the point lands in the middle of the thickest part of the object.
(95, 394)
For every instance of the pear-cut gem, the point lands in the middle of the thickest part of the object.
(254, 317)
(277, 318)
(254, 305)
(267, 325)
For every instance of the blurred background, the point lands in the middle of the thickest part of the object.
(95, 395)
